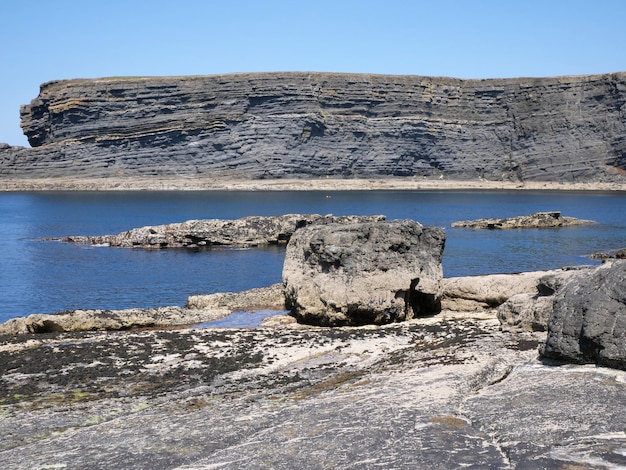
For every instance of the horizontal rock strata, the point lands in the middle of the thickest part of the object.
(244, 232)
(277, 125)
(537, 220)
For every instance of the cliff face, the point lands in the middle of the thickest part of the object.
(318, 124)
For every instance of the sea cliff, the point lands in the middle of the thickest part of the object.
(318, 125)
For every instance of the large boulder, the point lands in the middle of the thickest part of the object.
(588, 324)
(378, 272)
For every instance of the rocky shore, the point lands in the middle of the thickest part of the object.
(552, 219)
(447, 391)
(291, 184)
(441, 373)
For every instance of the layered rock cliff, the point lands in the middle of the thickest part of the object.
(273, 125)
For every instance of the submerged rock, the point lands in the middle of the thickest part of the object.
(247, 232)
(613, 254)
(537, 220)
(354, 274)
(588, 324)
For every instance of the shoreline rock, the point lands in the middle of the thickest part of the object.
(194, 234)
(295, 184)
(462, 297)
(588, 322)
(552, 219)
(429, 392)
(613, 254)
(434, 392)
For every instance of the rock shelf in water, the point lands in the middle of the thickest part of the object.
(245, 232)
(552, 219)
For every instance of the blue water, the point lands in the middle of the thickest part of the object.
(44, 277)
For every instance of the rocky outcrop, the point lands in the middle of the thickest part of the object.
(244, 232)
(199, 309)
(276, 125)
(588, 324)
(355, 274)
(613, 254)
(109, 320)
(421, 394)
(538, 220)
(478, 293)
(531, 310)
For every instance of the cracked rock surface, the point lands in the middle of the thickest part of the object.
(436, 392)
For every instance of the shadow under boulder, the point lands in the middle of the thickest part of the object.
(365, 273)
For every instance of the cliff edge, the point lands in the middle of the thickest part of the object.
(313, 125)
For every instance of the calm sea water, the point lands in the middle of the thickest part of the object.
(45, 277)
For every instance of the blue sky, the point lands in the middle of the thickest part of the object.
(42, 40)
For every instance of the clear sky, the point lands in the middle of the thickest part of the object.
(42, 40)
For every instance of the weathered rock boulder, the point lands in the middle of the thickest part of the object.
(355, 274)
(588, 324)
(531, 311)
(247, 231)
(537, 220)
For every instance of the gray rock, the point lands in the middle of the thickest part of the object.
(199, 309)
(537, 220)
(427, 393)
(531, 310)
(477, 293)
(589, 319)
(377, 272)
(247, 231)
(525, 312)
(275, 125)
(613, 254)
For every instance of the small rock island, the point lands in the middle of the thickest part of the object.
(552, 219)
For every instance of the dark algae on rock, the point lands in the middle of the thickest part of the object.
(276, 125)
(429, 393)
